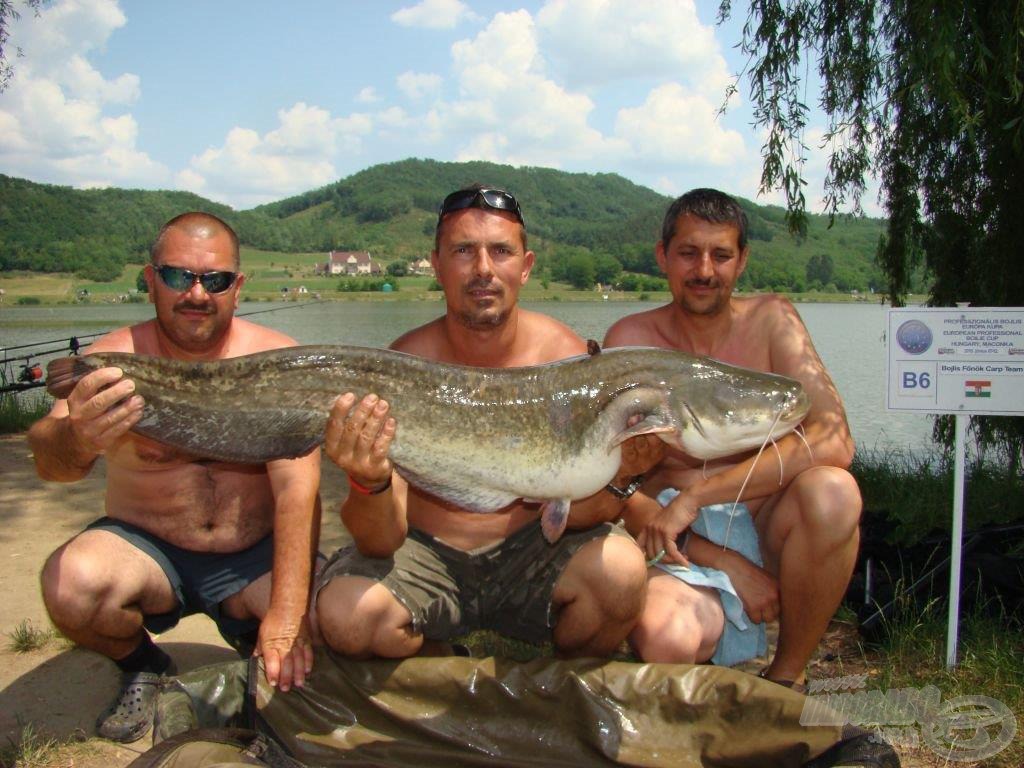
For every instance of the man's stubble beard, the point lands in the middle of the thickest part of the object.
(477, 322)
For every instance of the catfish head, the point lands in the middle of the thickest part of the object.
(719, 410)
(709, 409)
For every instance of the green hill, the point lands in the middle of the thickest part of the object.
(573, 219)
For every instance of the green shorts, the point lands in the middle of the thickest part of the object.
(506, 587)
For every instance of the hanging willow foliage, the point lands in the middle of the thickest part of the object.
(928, 95)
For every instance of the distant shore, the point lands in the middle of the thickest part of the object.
(24, 296)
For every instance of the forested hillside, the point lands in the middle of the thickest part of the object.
(584, 227)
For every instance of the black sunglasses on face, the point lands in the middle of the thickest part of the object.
(182, 280)
(498, 199)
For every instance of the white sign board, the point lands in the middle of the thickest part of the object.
(962, 361)
(966, 360)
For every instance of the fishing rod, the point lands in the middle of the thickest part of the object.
(71, 339)
(31, 375)
(55, 341)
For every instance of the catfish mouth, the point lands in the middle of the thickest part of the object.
(733, 428)
(795, 408)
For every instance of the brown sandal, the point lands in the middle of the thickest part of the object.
(791, 684)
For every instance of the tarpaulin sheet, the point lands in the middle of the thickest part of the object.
(455, 711)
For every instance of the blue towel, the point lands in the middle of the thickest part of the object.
(741, 638)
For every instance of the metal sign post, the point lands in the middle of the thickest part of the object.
(960, 361)
(953, 627)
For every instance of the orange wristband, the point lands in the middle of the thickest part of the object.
(360, 488)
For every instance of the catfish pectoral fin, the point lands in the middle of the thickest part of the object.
(554, 515)
(649, 426)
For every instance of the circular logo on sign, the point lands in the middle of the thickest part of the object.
(914, 337)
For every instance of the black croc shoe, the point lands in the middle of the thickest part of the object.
(130, 715)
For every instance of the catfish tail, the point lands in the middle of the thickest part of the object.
(63, 373)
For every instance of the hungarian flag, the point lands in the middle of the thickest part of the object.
(978, 389)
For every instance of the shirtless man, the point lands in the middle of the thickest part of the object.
(807, 524)
(181, 535)
(412, 574)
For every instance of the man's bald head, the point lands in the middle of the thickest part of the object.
(199, 225)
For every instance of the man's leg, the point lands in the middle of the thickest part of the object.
(680, 623)
(360, 618)
(367, 606)
(97, 588)
(809, 539)
(600, 595)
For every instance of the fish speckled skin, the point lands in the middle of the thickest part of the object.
(480, 438)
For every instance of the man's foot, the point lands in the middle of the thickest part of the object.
(793, 685)
(130, 715)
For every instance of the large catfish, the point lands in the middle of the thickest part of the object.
(479, 438)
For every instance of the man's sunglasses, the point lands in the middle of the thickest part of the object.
(182, 280)
(498, 199)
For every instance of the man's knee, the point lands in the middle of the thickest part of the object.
(353, 613)
(680, 624)
(613, 572)
(830, 501)
(72, 582)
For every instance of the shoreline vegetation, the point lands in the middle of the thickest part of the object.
(296, 283)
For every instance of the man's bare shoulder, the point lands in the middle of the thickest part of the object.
(131, 338)
(640, 329)
(549, 339)
(425, 341)
(766, 313)
(251, 337)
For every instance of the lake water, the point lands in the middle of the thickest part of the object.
(849, 338)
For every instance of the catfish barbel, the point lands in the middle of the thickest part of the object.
(479, 438)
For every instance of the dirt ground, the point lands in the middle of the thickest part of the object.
(59, 690)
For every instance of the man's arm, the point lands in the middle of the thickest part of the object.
(284, 640)
(99, 411)
(357, 439)
(829, 442)
(639, 455)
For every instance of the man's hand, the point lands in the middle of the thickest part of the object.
(101, 409)
(639, 454)
(658, 538)
(758, 590)
(358, 438)
(286, 649)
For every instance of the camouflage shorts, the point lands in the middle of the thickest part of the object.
(506, 587)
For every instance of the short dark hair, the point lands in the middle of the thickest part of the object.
(478, 202)
(197, 224)
(708, 205)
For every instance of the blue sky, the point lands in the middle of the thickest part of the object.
(246, 102)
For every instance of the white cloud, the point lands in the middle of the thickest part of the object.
(508, 110)
(419, 85)
(676, 126)
(667, 186)
(298, 155)
(597, 41)
(56, 115)
(394, 117)
(367, 95)
(434, 14)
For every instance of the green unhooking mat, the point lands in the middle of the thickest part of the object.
(454, 711)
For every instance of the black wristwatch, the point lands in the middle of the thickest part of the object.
(629, 490)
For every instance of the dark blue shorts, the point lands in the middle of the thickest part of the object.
(200, 580)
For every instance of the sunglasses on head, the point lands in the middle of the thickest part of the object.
(498, 199)
(182, 280)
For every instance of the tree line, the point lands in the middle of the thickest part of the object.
(586, 229)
